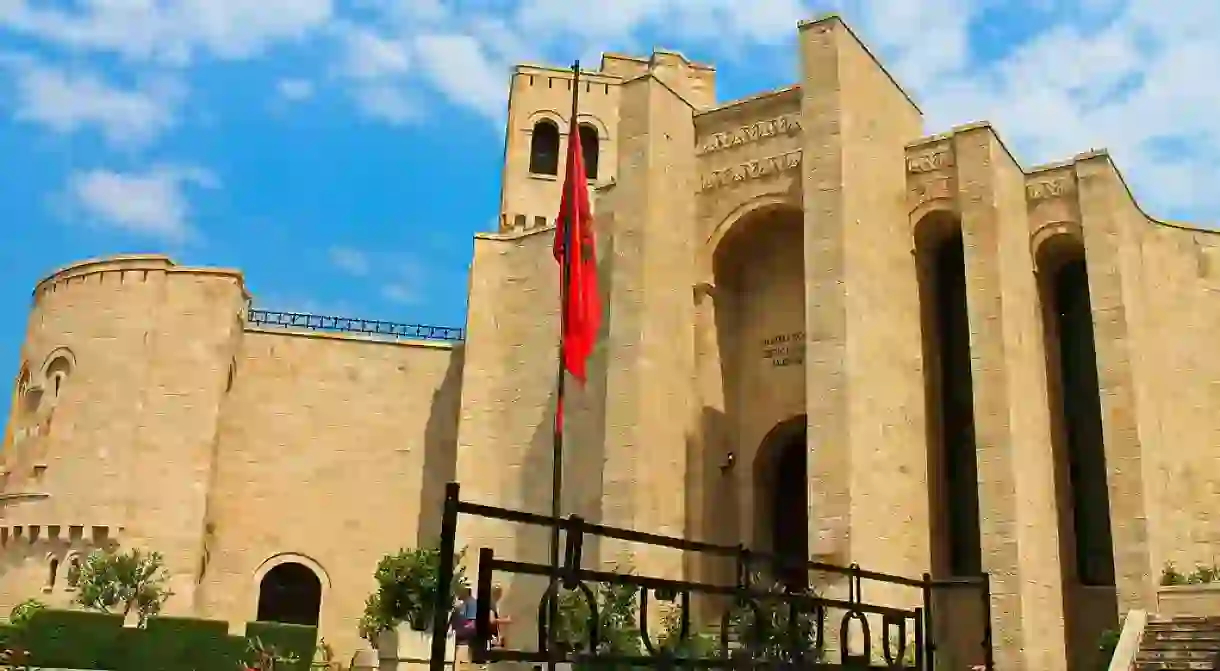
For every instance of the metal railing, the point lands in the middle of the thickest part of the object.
(328, 324)
(797, 638)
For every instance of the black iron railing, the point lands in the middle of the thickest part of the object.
(784, 628)
(298, 320)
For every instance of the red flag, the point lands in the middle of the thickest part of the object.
(581, 310)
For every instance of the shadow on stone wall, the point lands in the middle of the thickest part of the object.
(440, 450)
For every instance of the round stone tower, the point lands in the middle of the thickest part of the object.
(112, 430)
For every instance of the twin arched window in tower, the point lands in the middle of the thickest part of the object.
(545, 148)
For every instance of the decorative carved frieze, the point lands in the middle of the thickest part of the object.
(937, 159)
(1042, 189)
(789, 124)
(755, 169)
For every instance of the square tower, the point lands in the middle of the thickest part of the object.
(539, 107)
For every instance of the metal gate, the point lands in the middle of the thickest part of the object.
(775, 627)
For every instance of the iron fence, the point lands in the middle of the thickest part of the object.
(311, 322)
(797, 638)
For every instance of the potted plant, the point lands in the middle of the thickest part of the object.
(398, 616)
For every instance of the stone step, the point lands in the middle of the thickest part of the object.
(1181, 636)
(1173, 666)
(1184, 621)
(1188, 643)
(1190, 655)
(1183, 628)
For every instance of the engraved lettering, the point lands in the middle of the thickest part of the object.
(1052, 188)
(935, 160)
(784, 349)
(754, 169)
(754, 132)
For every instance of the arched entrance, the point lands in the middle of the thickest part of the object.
(290, 593)
(781, 491)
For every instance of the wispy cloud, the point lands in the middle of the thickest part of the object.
(169, 32)
(67, 101)
(295, 89)
(154, 203)
(351, 261)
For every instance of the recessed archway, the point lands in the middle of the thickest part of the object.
(290, 593)
(1086, 555)
(955, 531)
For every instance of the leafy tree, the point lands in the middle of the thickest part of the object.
(121, 582)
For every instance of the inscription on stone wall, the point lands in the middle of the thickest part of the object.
(784, 125)
(1049, 188)
(929, 161)
(784, 349)
(761, 167)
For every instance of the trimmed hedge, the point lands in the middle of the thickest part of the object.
(86, 640)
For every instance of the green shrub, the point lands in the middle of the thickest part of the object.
(407, 583)
(84, 640)
(1105, 647)
(770, 623)
(23, 611)
(294, 645)
(182, 644)
(75, 640)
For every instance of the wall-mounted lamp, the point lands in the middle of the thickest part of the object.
(730, 460)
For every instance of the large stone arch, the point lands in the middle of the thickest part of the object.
(742, 216)
(751, 320)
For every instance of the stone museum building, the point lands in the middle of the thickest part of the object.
(828, 333)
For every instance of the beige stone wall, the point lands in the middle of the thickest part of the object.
(1177, 279)
(333, 452)
(650, 417)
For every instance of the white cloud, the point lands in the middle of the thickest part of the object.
(369, 55)
(1126, 76)
(69, 101)
(399, 293)
(167, 30)
(153, 203)
(385, 102)
(459, 67)
(295, 89)
(349, 260)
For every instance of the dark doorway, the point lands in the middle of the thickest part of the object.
(1090, 601)
(290, 593)
(790, 516)
(957, 546)
(781, 486)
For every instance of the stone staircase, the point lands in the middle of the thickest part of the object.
(1187, 643)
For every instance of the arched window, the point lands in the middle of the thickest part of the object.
(290, 593)
(544, 148)
(589, 149)
(56, 375)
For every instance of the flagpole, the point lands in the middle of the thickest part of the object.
(557, 440)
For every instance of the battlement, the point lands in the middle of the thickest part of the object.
(30, 534)
(122, 269)
(516, 223)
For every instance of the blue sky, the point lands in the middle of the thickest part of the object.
(343, 152)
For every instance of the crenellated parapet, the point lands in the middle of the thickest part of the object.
(515, 222)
